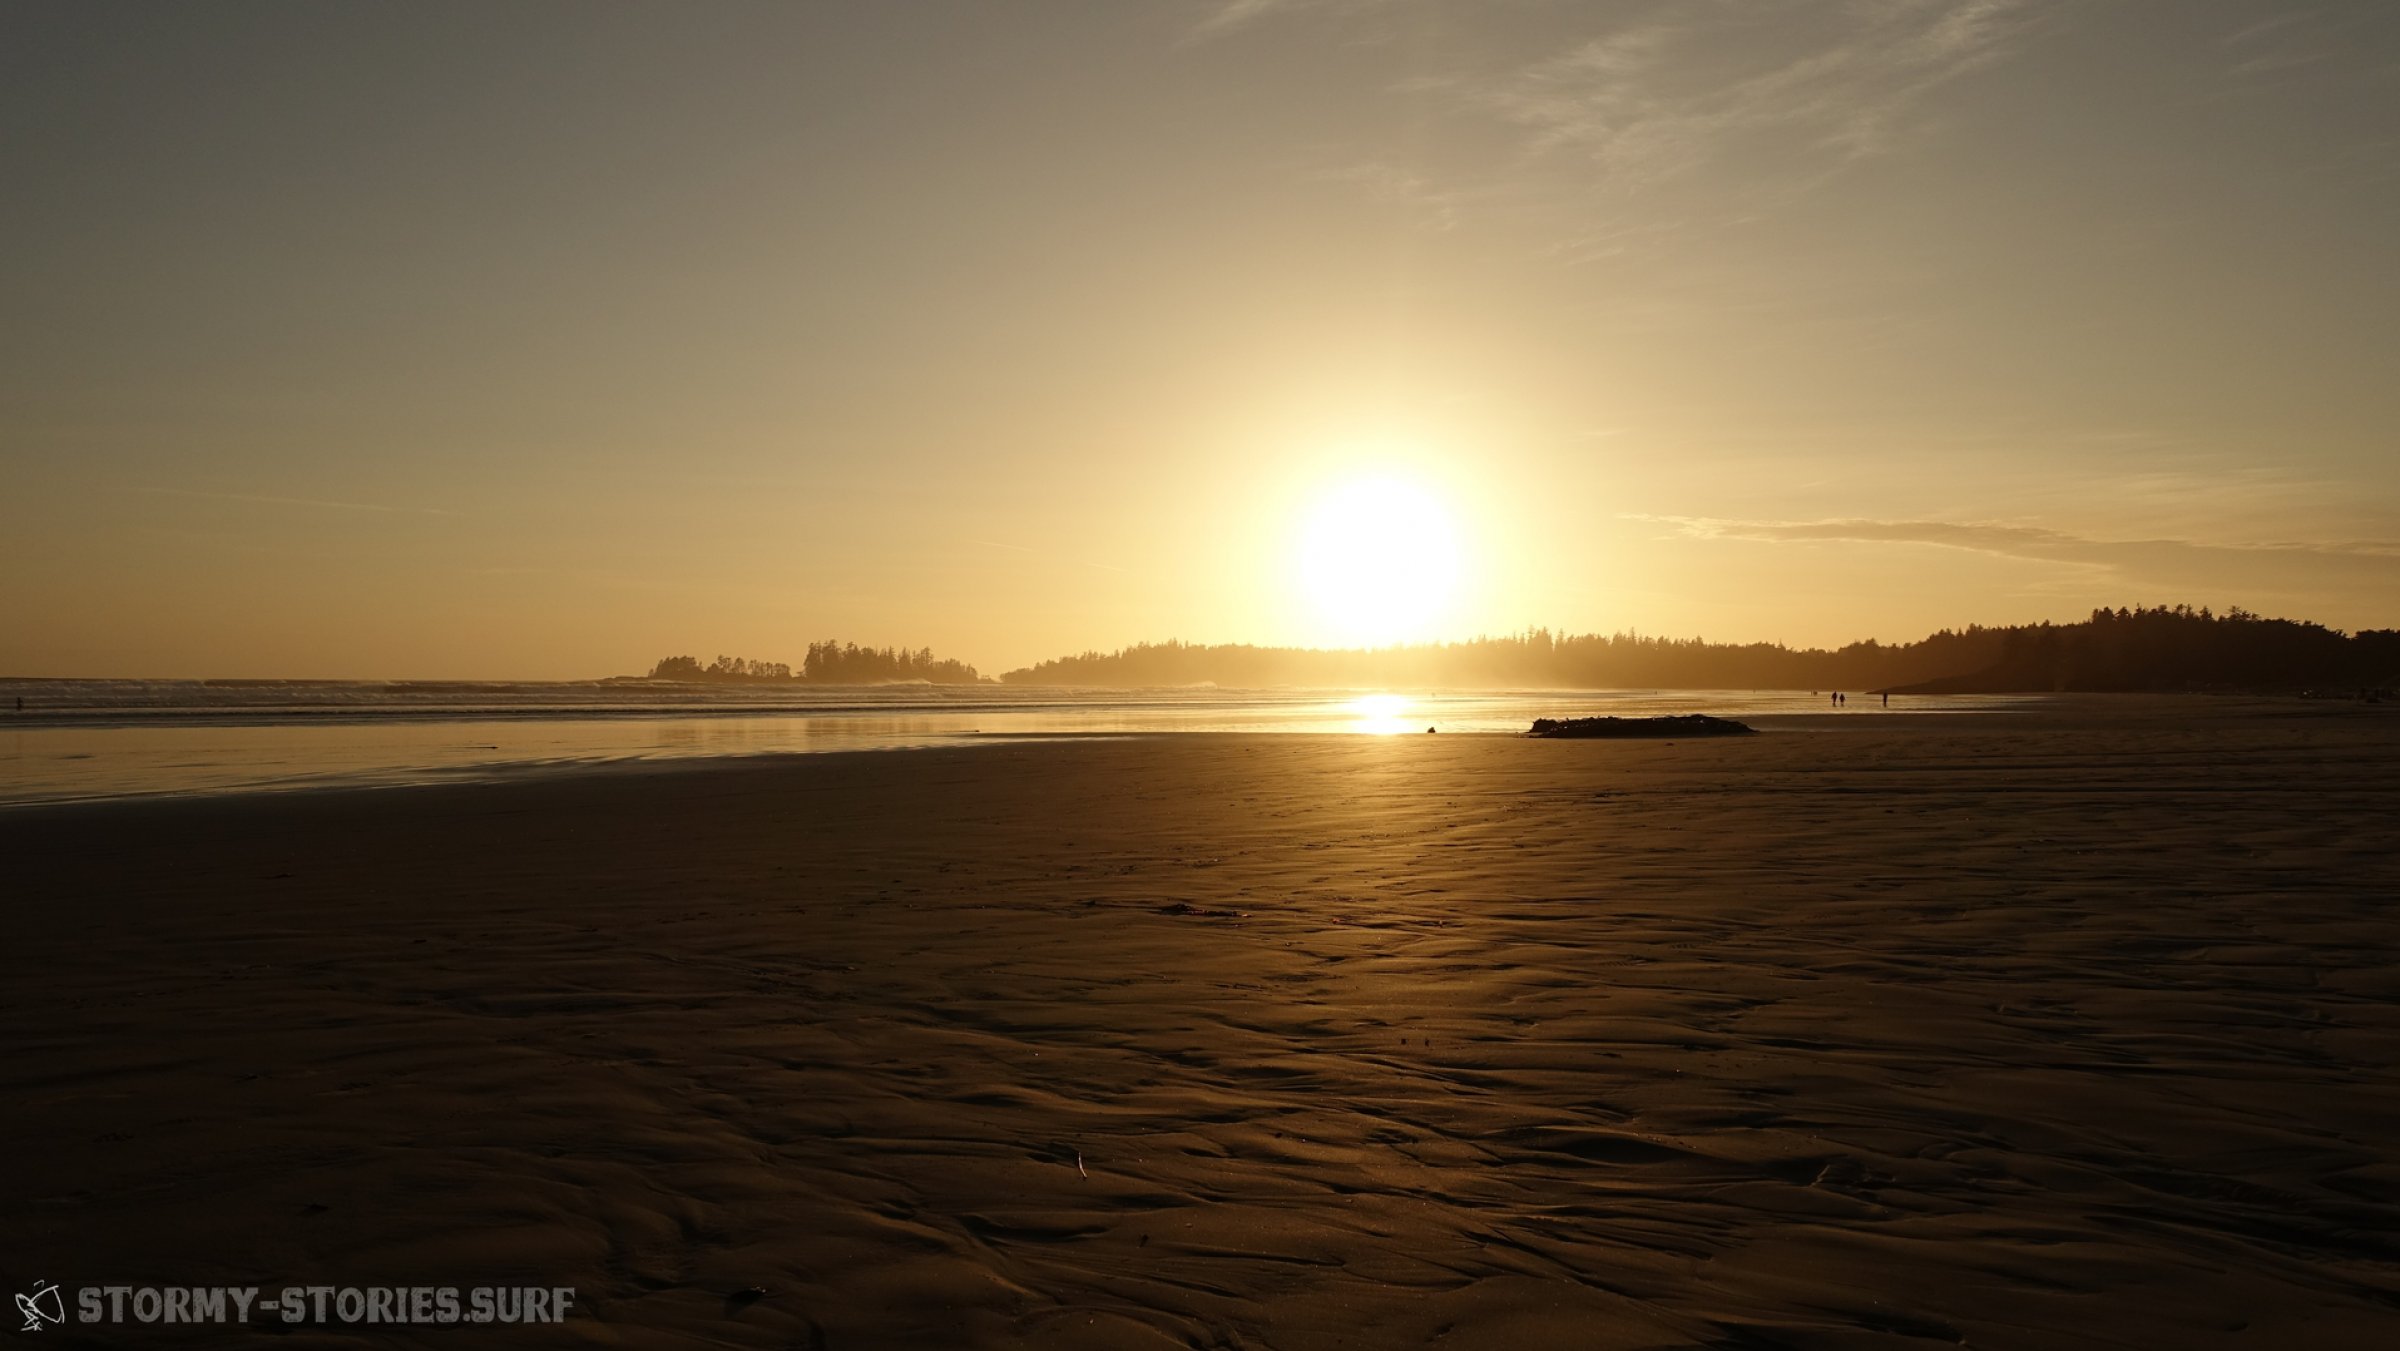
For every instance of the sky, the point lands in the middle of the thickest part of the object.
(520, 340)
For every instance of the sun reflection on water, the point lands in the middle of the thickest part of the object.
(1381, 714)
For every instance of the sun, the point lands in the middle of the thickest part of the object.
(1379, 561)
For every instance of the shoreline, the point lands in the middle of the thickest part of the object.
(178, 754)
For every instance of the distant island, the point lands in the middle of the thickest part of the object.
(827, 663)
(2136, 650)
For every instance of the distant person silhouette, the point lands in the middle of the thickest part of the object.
(1887, 698)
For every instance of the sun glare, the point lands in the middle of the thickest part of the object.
(1380, 714)
(1379, 559)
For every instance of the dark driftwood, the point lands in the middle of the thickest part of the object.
(1682, 724)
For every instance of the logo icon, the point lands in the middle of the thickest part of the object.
(43, 1306)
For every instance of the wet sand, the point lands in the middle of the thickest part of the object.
(2041, 1030)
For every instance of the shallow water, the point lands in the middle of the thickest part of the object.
(77, 740)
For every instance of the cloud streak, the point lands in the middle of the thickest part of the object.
(1232, 14)
(2295, 568)
(1224, 16)
(1652, 100)
(1684, 117)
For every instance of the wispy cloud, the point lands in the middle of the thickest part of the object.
(1227, 16)
(2266, 27)
(263, 499)
(2286, 41)
(1231, 14)
(1656, 99)
(2215, 567)
(1435, 206)
(1745, 109)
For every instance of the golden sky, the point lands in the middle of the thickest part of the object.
(533, 340)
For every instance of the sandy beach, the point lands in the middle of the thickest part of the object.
(2059, 1029)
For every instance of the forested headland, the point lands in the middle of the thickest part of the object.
(2163, 648)
(2155, 649)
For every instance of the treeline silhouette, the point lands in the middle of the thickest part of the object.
(2153, 649)
(2181, 648)
(827, 663)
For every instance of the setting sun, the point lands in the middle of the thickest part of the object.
(1380, 561)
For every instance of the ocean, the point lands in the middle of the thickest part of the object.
(73, 740)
